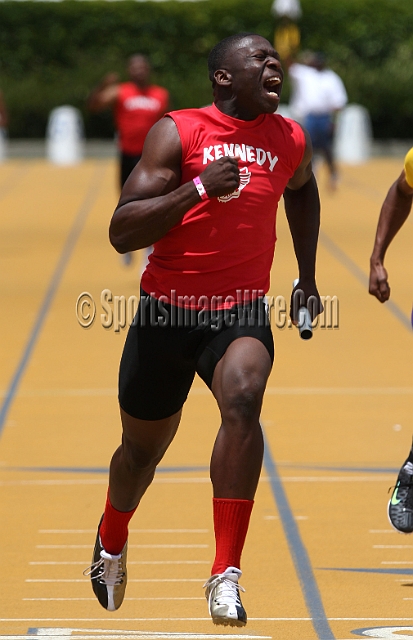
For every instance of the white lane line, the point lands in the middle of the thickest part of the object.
(131, 546)
(160, 562)
(36, 393)
(366, 478)
(64, 546)
(65, 531)
(49, 562)
(94, 599)
(408, 577)
(85, 580)
(126, 635)
(96, 481)
(382, 531)
(169, 530)
(51, 483)
(397, 562)
(130, 531)
(208, 619)
(339, 391)
(136, 636)
(392, 546)
(32, 619)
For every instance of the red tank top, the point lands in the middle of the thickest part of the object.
(136, 111)
(224, 247)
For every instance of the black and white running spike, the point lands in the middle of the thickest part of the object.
(224, 602)
(108, 575)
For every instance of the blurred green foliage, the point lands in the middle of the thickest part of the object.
(53, 53)
(369, 43)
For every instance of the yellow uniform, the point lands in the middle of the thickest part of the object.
(408, 167)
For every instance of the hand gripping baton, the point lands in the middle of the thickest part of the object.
(304, 320)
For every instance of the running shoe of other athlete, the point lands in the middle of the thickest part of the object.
(400, 508)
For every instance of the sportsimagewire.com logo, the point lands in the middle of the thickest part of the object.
(118, 312)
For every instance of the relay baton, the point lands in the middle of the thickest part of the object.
(304, 320)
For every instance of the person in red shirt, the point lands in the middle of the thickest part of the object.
(205, 194)
(137, 105)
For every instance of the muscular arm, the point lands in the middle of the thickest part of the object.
(302, 206)
(104, 95)
(153, 200)
(394, 211)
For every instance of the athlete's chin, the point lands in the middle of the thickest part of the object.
(271, 103)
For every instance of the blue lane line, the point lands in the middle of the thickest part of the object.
(104, 470)
(397, 572)
(344, 469)
(298, 551)
(189, 469)
(359, 274)
(50, 293)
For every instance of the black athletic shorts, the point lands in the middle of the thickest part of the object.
(166, 345)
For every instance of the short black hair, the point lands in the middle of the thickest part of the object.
(319, 58)
(218, 54)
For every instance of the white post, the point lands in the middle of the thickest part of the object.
(64, 136)
(3, 144)
(353, 136)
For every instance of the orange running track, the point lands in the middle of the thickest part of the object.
(321, 560)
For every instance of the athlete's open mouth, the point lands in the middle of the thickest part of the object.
(271, 85)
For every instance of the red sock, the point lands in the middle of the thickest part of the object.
(231, 520)
(114, 528)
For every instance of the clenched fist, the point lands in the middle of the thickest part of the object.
(221, 177)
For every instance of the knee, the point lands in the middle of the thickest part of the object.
(140, 458)
(242, 402)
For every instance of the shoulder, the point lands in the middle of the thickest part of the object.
(189, 115)
(126, 89)
(191, 124)
(290, 140)
(330, 73)
(332, 76)
(163, 136)
(155, 88)
(408, 167)
(289, 127)
(127, 86)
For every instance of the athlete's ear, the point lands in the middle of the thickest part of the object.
(223, 77)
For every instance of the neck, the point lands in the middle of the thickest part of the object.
(230, 108)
